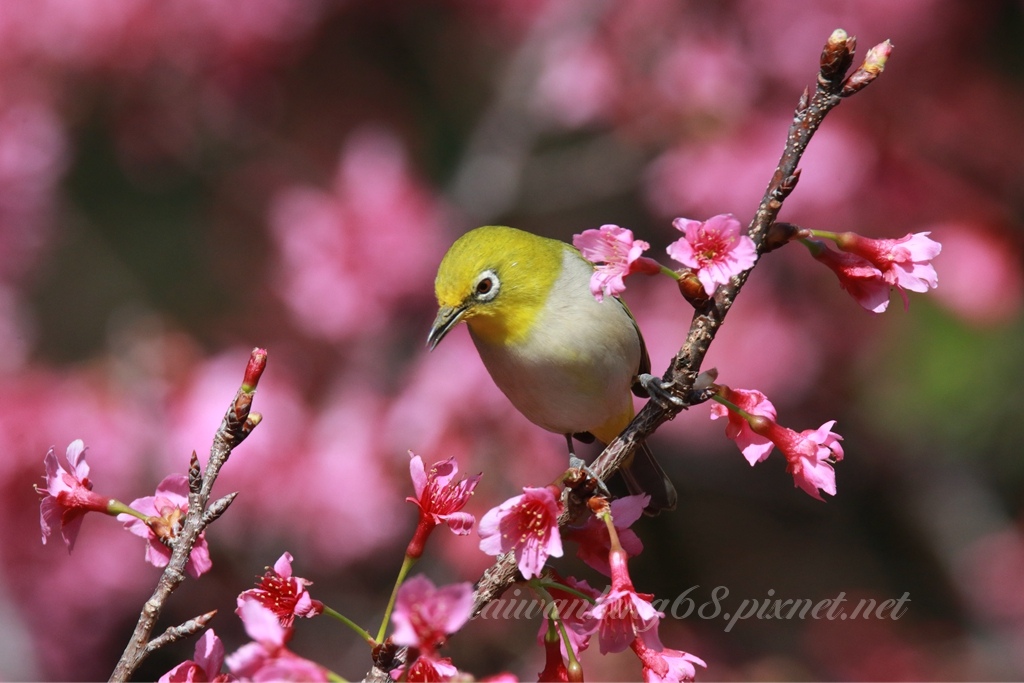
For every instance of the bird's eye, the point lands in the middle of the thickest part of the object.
(487, 286)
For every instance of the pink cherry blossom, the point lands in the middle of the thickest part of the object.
(268, 657)
(527, 524)
(262, 625)
(863, 281)
(754, 446)
(68, 494)
(286, 666)
(716, 249)
(809, 454)
(284, 594)
(628, 619)
(439, 500)
(623, 614)
(430, 668)
(209, 658)
(905, 263)
(666, 665)
(166, 509)
(615, 254)
(594, 540)
(426, 615)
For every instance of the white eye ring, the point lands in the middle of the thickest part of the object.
(486, 286)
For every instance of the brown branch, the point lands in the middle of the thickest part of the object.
(831, 86)
(183, 630)
(236, 425)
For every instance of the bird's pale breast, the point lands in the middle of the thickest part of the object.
(573, 371)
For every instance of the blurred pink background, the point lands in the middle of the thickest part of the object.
(182, 181)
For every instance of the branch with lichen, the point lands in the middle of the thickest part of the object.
(237, 424)
(831, 86)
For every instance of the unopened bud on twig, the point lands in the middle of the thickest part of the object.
(836, 57)
(874, 64)
(195, 474)
(254, 370)
(692, 288)
(217, 508)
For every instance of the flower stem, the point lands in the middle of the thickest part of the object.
(554, 618)
(564, 588)
(116, 507)
(665, 270)
(729, 404)
(733, 408)
(407, 564)
(605, 515)
(573, 662)
(825, 234)
(363, 633)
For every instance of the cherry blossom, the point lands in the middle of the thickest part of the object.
(526, 524)
(209, 657)
(664, 665)
(268, 658)
(425, 615)
(594, 540)
(166, 510)
(858, 276)
(284, 594)
(809, 454)
(615, 254)
(754, 446)
(68, 494)
(716, 249)
(439, 499)
(905, 263)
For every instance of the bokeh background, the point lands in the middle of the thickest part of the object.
(182, 181)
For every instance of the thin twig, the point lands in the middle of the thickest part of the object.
(183, 630)
(235, 426)
(831, 86)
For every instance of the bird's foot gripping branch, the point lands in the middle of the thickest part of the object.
(550, 327)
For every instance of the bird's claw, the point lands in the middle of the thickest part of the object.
(589, 481)
(660, 391)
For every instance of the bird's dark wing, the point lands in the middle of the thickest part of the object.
(645, 358)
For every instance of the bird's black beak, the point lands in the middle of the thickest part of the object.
(447, 318)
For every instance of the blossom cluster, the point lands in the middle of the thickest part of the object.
(717, 250)
(268, 614)
(527, 525)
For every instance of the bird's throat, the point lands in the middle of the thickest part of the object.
(500, 328)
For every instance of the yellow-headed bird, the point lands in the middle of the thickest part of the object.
(565, 361)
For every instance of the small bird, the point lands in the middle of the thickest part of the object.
(565, 361)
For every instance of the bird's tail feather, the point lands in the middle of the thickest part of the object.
(644, 475)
